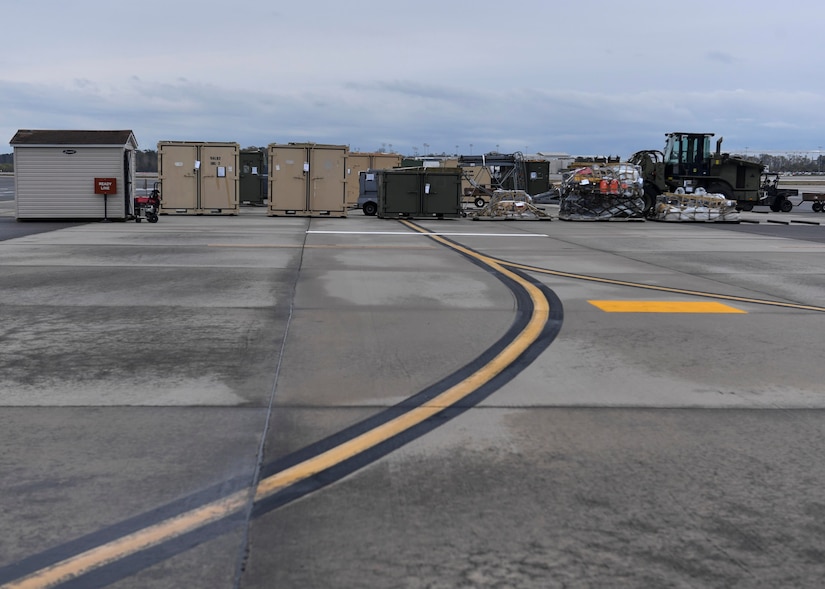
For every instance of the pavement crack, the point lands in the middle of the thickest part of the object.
(243, 551)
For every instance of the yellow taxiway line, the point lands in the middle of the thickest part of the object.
(174, 527)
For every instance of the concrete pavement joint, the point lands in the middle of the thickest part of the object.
(537, 327)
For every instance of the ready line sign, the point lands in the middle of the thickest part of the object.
(105, 185)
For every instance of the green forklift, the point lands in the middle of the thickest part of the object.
(687, 163)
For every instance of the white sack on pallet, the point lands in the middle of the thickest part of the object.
(697, 207)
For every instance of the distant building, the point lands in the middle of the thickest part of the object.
(558, 160)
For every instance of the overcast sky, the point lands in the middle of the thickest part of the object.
(583, 77)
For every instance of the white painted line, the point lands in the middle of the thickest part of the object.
(425, 234)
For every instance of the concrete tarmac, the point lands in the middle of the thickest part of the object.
(165, 389)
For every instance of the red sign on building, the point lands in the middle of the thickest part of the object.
(105, 185)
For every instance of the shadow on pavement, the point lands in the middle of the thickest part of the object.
(10, 228)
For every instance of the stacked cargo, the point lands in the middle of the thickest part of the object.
(198, 178)
(602, 192)
(307, 179)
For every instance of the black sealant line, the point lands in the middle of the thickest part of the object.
(128, 526)
(524, 307)
(346, 467)
(132, 564)
(243, 553)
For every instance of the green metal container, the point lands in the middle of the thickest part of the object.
(419, 192)
(252, 182)
(538, 176)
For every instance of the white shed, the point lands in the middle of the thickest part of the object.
(69, 174)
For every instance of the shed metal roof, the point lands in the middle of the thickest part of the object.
(62, 137)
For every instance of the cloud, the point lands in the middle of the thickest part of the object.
(408, 113)
(583, 77)
(720, 57)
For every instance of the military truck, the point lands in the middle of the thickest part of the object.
(778, 199)
(687, 162)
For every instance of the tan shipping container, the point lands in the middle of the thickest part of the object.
(358, 162)
(307, 179)
(178, 177)
(219, 178)
(475, 176)
(198, 178)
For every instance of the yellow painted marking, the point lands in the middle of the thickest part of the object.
(141, 540)
(312, 466)
(668, 289)
(664, 307)
(163, 531)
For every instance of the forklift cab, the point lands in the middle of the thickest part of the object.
(687, 154)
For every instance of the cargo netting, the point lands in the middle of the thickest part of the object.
(602, 192)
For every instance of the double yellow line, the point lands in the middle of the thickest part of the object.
(192, 520)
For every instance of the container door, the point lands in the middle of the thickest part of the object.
(441, 194)
(356, 163)
(538, 177)
(327, 186)
(288, 173)
(250, 177)
(178, 176)
(399, 194)
(219, 177)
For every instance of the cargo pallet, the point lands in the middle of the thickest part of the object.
(511, 205)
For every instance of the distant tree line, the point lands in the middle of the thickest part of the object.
(794, 163)
(146, 160)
